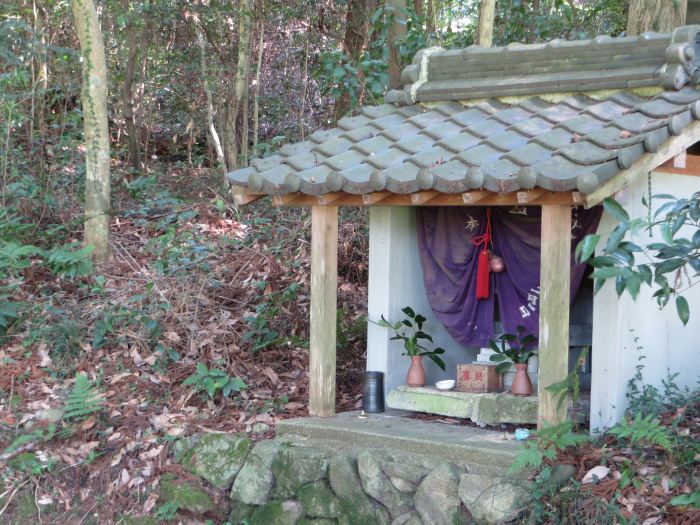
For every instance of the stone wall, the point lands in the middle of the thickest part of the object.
(273, 482)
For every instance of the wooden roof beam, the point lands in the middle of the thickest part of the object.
(646, 164)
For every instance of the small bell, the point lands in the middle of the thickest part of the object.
(496, 263)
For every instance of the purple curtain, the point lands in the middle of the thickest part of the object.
(449, 261)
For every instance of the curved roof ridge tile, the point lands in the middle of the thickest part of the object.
(667, 60)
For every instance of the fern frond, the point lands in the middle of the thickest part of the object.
(83, 399)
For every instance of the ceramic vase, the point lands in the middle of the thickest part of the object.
(416, 372)
(521, 381)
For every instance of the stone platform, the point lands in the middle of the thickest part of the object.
(485, 409)
(480, 451)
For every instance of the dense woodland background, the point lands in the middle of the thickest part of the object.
(198, 320)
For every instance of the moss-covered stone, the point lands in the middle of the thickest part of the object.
(186, 496)
(319, 501)
(277, 513)
(183, 445)
(295, 467)
(218, 458)
(378, 485)
(240, 513)
(317, 521)
(358, 507)
(254, 481)
(437, 498)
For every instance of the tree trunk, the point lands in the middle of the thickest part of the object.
(127, 89)
(660, 16)
(94, 101)
(240, 90)
(430, 17)
(211, 128)
(397, 30)
(486, 14)
(418, 8)
(256, 86)
(357, 20)
(42, 80)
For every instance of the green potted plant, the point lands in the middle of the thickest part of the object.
(410, 331)
(515, 349)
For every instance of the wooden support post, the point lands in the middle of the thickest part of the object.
(555, 285)
(324, 278)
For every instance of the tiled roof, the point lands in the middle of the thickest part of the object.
(560, 143)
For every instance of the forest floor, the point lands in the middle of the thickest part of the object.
(202, 299)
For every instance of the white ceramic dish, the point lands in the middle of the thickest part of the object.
(447, 384)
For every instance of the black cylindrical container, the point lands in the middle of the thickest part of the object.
(373, 392)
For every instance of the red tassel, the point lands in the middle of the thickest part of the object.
(483, 267)
(482, 275)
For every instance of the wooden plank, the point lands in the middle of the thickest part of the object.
(692, 166)
(324, 279)
(555, 284)
(431, 198)
(423, 197)
(241, 197)
(650, 161)
(680, 160)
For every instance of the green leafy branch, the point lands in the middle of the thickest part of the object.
(410, 331)
(672, 265)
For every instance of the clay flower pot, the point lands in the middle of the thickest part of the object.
(416, 372)
(521, 382)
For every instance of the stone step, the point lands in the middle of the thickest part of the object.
(480, 451)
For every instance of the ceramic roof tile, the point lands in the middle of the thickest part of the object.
(529, 154)
(638, 122)
(450, 177)
(487, 128)
(431, 157)
(449, 108)
(460, 142)
(345, 160)
(388, 121)
(507, 141)
(414, 144)
(606, 110)
(469, 117)
(398, 132)
(356, 179)
(582, 125)
(441, 131)
(584, 152)
(402, 178)
(660, 108)
(554, 139)
(361, 133)
(375, 112)
(480, 155)
(333, 147)
(305, 161)
(558, 113)
(373, 146)
(512, 115)
(387, 158)
(323, 135)
(579, 141)
(289, 150)
(686, 95)
(353, 122)
(266, 163)
(533, 126)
